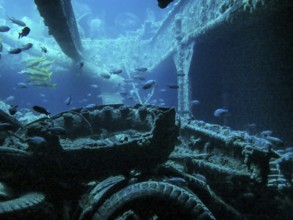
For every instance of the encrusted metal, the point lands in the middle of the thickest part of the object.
(80, 162)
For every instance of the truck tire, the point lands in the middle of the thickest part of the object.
(146, 200)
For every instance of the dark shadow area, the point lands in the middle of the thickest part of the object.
(247, 67)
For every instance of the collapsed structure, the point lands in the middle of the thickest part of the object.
(115, 161)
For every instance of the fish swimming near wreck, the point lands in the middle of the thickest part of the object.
(16, 21)
(139, 77)
(149, 84)
(90, 107)
(172, 86)
(68, 100)
(15, 51)
(4, 28)
(141, 69)
(41, 110)
(180, 73)
(26, 46)
(117, 71)
(35, 61)
(164, 3)
(81, 64)
(36, 141)
(105, 75)
(220, 112)
(24, 32)
(194, 102)
(44, 49)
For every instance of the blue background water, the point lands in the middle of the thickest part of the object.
(70, 83)
(245, 71)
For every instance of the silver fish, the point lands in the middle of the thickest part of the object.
(68, 100)
(149, 84)
(4, 28)
(16, 21)
(220, 112)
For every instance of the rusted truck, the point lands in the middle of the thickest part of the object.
(140, 162)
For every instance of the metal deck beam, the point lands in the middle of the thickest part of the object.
(59, 17)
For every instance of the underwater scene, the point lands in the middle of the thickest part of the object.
(146, 109)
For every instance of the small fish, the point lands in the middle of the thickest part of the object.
(16, 21)
(43, 84)
(194, 102)
(105, 75)
(13, 109)
(68, 100)
(90, 106)
(220, 112)
(15, 51)
(94, 86)
(139, 77)
(149, 84)
(251, 126)
(118, 71)
(10, 98)
(24, 32)
(141, 69)
(44, 49)
(266, 133)
(164, 3)
(180, 74)
(274, 140)
(46, 63)
(1, 47)
(26, 46)
(4, 28)
(172, 86)
(41, 110)
(128, 80)
(123, 93)
(36, 140)
(21, 85)
(6, 126)
(81, 64)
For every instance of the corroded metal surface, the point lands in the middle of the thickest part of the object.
(140, 137)
(238, 170)
(100, 152)
(199, 18)
(59, 17)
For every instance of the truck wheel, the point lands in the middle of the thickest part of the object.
(152, 200)
(22, 207)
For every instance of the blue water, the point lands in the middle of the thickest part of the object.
(219, 78)
(117, 17)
